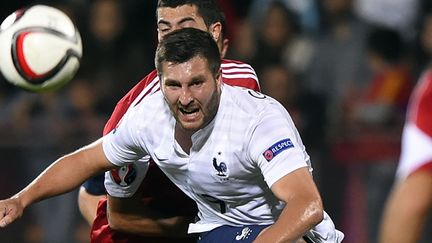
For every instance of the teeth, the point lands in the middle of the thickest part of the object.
(188, 111)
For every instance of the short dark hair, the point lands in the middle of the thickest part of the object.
(184, 44)
(207, 9)
(387, 43)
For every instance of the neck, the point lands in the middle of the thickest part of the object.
(183, 138)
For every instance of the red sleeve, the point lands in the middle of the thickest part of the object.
(236, 73)
(420, 109)
(124, 103)
(245, 83)
(425, 167)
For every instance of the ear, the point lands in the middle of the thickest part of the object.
(216, 31)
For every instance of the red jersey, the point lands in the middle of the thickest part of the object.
(416, 151)
(420, 107)
(159, 191)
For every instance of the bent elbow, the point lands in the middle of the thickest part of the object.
(317, 217)
(314, 213)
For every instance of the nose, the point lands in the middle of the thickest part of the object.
(185, 96)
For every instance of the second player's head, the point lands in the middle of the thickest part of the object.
(200, 14)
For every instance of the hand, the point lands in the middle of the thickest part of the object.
(10, 210)
(301, 240)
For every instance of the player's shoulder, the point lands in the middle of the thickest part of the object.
(425, 82)
(151, 77)
(147, 85)
(227, 64)
(250, 101)
(228, 61)
(420, 108)
(148, 81)
(238, 73)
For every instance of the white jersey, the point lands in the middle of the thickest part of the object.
(226, 161)
(250, 144)
(124, 182)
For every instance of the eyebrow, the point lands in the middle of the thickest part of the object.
(186, 19)
(171, 81)
(194, 79)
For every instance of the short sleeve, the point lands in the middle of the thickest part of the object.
(123, 182)
(121, 146)
(416, 151)
(276, 146)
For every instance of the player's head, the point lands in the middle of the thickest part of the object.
(200, 14)
(188, 65)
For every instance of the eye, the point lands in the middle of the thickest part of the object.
(196, 83)
(172, 85)
(188, 24)
(164, 28)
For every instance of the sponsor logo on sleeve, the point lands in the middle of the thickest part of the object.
(277, 148)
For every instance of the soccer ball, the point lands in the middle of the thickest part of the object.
(40, 48)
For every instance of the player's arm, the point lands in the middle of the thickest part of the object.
(93, 190)
(131, 216)
(407, 208)
(62, 176)
(303, 211)
(88, 203)
(276, 147)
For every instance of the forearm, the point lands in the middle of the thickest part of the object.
(404, 218)
(132, 216)
(303, 208)
(293, 223)
(145, 226)
(87, 204)
(402, 227)
(65, 174)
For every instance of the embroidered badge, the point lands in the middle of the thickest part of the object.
(125, 175)
(221, 170)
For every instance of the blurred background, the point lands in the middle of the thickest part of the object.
(343, 68)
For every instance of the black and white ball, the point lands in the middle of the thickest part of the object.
(40, 48)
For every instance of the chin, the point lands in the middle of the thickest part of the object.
(191, 127)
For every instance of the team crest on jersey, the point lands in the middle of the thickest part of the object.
(125, 175)
(221, 169)
(277, 148)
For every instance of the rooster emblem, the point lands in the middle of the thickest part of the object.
(221, 168)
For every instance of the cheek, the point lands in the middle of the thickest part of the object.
(170, 96)
(206, 98)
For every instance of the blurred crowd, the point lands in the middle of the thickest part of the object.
(344, 69)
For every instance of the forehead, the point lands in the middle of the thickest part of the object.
(177, 13)
(196, 66)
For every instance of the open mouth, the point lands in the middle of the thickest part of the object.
(188, 111)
